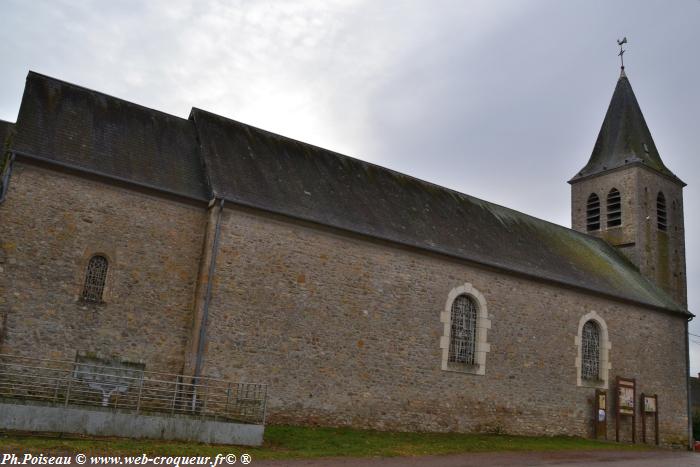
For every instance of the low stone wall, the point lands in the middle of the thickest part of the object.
(90, 421)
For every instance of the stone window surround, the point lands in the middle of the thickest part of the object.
(483, 324)
(88, 253)
(605, 347)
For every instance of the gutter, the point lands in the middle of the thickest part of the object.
(680, 312)
(559, 281)
(691, 444)
(96, 173)
(673, 178)
(207, 298)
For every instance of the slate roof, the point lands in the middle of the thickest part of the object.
(90, 130)
(256, 168)
(6, 129)
(624, 137)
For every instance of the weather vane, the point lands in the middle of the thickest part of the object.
(622, 51)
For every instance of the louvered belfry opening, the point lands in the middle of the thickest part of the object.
(463, 331)
(614, 208)
(593, 213)
(590, 351)
(661, 221)
(95, 278)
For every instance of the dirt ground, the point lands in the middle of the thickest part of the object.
(568, 458)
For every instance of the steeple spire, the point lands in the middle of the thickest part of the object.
(626, 196)
(624, 138)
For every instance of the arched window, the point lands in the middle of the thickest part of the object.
(462, 331)
(95, 278)
(593, 213)
(590, 351)
(614, 208)
(464, 340)
(661, 211)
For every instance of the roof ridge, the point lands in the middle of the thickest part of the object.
(269, 171)
(85, 88)
(108, 135)
(398, 173)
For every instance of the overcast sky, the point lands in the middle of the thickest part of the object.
(502, 100)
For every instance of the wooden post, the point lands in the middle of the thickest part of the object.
(656, 418)
(600, 415)
(634, 412)
(617, 409)
(644, 418)
(646, 410)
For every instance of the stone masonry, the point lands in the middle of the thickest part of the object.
(346, 331)
(239, 254)
(50, 225)
(659, 255)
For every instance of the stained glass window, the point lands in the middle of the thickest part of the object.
(95, 278)
(590, 351)
(463, 331)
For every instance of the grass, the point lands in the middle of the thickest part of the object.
(288, 442)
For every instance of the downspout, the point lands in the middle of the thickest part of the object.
(207, 298)
(5, 176)
(691, 444)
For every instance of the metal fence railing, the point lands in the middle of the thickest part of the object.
(130, 389)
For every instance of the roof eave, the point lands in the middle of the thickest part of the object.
(577, 178)
(679, 310)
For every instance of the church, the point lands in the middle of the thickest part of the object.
(360, 296)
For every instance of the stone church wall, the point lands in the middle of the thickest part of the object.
(665, 259)
(347, 331)
(50, 225)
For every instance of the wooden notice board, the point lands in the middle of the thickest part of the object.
(650, 407)
(626, 394)
(600, 415)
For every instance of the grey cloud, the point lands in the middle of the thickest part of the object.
(501, 100)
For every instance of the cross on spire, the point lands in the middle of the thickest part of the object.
(622, 51)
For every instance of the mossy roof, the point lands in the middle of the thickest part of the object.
(6, 129)
(624, 137)
(257, 168)
(87, 129)
(209, 155)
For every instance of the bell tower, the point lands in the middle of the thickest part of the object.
(628, 197)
